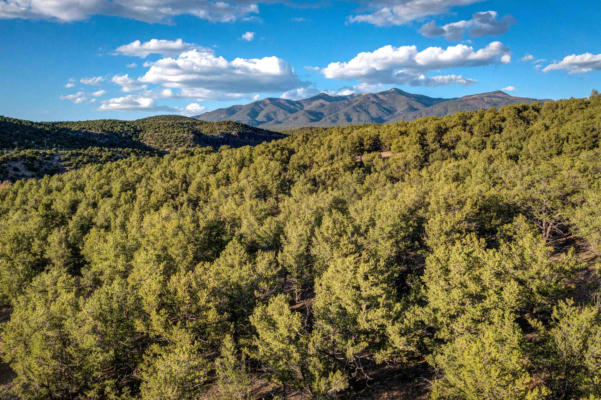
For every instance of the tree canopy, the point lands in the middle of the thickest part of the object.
(459, 251)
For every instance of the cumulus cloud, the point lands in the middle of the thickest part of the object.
(94, 81)
(166, 48)
(193, 109)
(202, 74)
(128, 84)
(400, 12)
(508, 89)
(527, 57)
(577, 64)
(482, 24)
(132, 103)
(82, 97)
(248, 36)
(76, 98)
(70, 84)
(407, 65)
(161, 11)
(300, 93)
(132, 65)
(360, 88)
(304, 93)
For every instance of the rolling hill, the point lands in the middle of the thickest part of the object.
(165, 132)
(324, 110)
(34, 149)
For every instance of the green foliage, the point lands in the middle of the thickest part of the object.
(162, 132)
(281, 340)
(174, 371)
(488, 365)
(233, 381)
(443, 250)
(36, 343)
(587, 218)
(575, 350)
(467, 284)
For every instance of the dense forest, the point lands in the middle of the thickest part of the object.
(34, 149)
(445, 258)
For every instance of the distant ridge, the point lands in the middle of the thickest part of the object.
(162, 132)
(325, 110)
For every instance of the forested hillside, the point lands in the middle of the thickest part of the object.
(446, 258)
(30, 149)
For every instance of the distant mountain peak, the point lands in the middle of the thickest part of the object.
(493, 93)
(325, 109)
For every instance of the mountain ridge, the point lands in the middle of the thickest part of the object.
(324, 110)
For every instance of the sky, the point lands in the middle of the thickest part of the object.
(128, 59)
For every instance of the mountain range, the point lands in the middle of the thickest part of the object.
(369, 108)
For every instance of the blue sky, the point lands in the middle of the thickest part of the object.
(126, 59)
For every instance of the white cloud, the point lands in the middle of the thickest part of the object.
(300, 93)
(76, 98)
(132, 65)
(193, 109)
(400, 12)
(536, 62)
(166, 48)
(343, 92)
(248, 36)
(508, 89)
(482, 24)
(94, 81)
(304, 93)
(202, 74)
(161, 11)
(357, 89)
(406, 65)
(128, 84)
(69, 85)
(82, 97)
(132, 103)
(577, 64)
(527, 57)
(312, 68)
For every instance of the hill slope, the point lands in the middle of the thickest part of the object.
(324, 110)
(30, 149)
(444, 258)
(158, 133)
